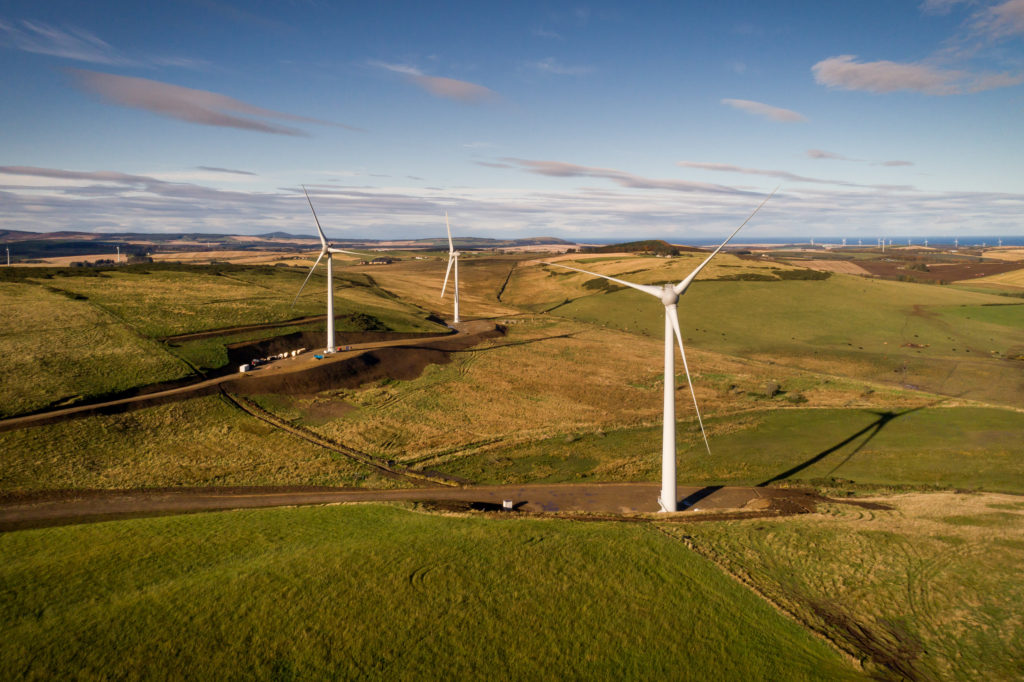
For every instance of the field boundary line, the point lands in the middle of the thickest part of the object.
(853, 657)
(258, 412)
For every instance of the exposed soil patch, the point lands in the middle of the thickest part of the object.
(402, 363)
(244, 351)
(952, 272)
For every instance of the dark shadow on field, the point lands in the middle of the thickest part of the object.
(870, 431)
(696, 497)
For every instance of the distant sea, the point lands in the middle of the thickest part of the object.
(965, 241)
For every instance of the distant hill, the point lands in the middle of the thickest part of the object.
(38, 245)
(656, 247)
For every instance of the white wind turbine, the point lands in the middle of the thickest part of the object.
(453, 259)
(669, 295)
(327, 250)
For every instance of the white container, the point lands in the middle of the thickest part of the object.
(244, 368)
(506, 504)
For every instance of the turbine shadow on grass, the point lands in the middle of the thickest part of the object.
(696, 497)
(870, 431)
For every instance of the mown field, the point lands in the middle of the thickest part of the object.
(383, 593)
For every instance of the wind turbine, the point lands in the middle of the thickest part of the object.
(453, 259)
(327, 250)
(669, 295)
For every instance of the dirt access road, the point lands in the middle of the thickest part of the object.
(591, 501)
(303, 373)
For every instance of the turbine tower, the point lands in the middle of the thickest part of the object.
(453, 259)
(328, 250)
(669, 295)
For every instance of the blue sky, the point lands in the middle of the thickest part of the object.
(590, 120)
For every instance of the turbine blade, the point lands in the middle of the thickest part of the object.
(682, 286)
(674, 317)
(323, 239)
(646, 288)
(308, 276)
(446, 273)
(351, 253)
(451, 244)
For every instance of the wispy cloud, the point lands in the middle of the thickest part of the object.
(1004, 20)
(448, 88)
(766, 110)
(551, 65)
(186, 104)
(822, 154)
(72, 42)
(215, 169)
(561, 169)
(782, 175)
(885, 76)
(103, 201)
(68, 43)
(542, 32)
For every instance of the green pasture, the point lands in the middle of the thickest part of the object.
(56, 349)
(927, 588)
(932, 447)
(376, 592)
(85, 335)
(198, 442)
(927, 337)
(164, 303)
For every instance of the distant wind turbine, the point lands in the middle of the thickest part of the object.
(669, 295)
(453, 259)
(327, 250)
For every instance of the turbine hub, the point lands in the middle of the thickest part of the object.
(668, 294)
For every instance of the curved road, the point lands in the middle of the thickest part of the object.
(283, 366)
(606, 500)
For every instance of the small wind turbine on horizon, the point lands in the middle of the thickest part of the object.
(669, 295)
(453, 260)
(328, 250)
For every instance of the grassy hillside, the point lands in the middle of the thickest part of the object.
(383, 593)
(200, 442)
(928, 588)
(85, 335)
(55, 348)
(938, 339)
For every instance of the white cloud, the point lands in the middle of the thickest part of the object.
(1002, 21)
(113, 201)
(449, 88)
(551, 65)
(186, 104)
(781, 174)
(68, 43)
(766, 110)
(885, 76)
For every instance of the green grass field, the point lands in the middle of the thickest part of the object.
(929, 589)
(56, 349)
(934, 338)
(199, 442)
(383, 593)
(86, 335)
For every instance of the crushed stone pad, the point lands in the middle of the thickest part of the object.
(613, 501)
